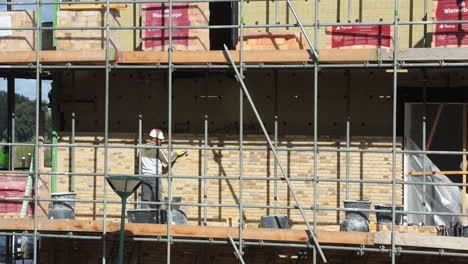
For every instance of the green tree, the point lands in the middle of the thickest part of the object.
(25, 122)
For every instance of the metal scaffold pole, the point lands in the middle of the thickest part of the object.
(394, 128)
(169, 134)
(270, 143)
(106, 130)
(36, 131)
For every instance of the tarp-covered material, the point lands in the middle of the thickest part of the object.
(446, 199)
(13, 187)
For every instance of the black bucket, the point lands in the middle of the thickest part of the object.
(357, 204)
(174, 200)
(356, 221)
(464, 231)
(61, 213)
(58, 200)
(386, 218)
(354, 225)
(274, 221)
(179, 217)
(144, 216)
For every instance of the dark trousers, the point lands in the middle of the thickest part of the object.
(151, 191)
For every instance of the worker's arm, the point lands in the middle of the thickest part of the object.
(163, 156)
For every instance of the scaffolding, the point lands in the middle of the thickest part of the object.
(238, 66)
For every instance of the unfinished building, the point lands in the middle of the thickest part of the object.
(316, 131)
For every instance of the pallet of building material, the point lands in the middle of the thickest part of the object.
(373, 227)
(450, 35)
(359, 37)
(282, 40)
(87, 39)
(17, 40)
(183, 14)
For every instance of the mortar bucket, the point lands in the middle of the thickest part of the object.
(386, 218)
(59, 200)
(144, 216)
(357, 204)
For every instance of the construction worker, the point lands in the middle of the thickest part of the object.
(4, 158)
(155, 162)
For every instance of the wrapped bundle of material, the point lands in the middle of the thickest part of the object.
(183, 14)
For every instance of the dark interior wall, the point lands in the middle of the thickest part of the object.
(288, 94)
(223, 13)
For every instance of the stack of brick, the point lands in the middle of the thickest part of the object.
(183, 14)
(86, 39)
(284, 40)
(17, 40)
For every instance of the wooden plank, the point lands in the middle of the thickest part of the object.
(422, 240)
(201, 57)
(77, 7)
(250, 57)
(56, 56)
(429, 173)
(374, 227)
(434, 126)
(426, 54)
(215, 232)
(464, 166)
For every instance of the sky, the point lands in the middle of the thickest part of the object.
(27, 87)
(47, 10)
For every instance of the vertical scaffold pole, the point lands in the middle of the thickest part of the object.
(394, 123)
(169, 136)
(37, 118)
(205, 173)
(106, 131)
(270, 144)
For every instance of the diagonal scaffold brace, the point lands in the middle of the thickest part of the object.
(236, 250)
(275, 154)
(299, 22)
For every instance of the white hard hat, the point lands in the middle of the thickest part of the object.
(156, 133)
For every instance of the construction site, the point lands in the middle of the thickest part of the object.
(233, 131)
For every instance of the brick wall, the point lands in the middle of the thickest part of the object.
(18, 40)
(87, 39)
(259, 163)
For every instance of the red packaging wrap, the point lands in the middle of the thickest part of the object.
(360, 36)
(158, 15)
(13, 187)
(450, 35)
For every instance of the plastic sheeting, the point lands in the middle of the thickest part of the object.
(447, 199)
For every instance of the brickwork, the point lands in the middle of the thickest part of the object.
(272, 41)
(331, 165)
(18, 40)
(87, 39)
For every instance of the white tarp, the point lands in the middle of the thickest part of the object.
(447, 199)
(5, 22)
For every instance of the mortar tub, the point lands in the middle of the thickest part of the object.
(274, 221)
(174, 200)
(386, 218)
(356, 221)
(144, 216)
(58, 200)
